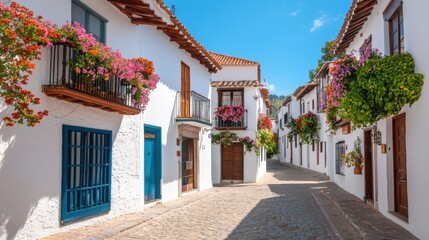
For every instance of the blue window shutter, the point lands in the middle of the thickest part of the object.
(86, 172)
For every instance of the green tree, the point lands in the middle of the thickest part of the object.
(327, 55)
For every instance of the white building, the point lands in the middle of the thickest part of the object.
(139, 157)
(238, 82)
(393, 181)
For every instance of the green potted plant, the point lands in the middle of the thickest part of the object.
(354, 158)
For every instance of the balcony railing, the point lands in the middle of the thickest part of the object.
(228, 124)
(65, 83)
(193, 106)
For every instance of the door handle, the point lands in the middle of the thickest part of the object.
(402, 179)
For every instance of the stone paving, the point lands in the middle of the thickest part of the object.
(288, 203)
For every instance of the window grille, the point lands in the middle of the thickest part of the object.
(86, 172)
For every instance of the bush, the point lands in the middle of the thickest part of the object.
(383, 86)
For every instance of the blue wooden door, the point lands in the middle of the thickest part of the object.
(149, 169)
(152, 163)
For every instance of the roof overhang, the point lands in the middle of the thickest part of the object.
(356, 17)
(150, 13)
(322, 69)
(306, 90)
(254, 83)
(287, 100)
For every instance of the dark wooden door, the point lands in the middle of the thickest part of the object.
(188, 164)
(232, 162)
(369, 182)
(186, 91)
(400, 165)
(291, 152)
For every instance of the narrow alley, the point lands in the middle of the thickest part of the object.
(288, 203)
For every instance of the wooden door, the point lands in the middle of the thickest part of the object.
(291, 152)
(188, 165)
(186, 91)
(300, 154)
(232, 162)
(400, 165)
(369, 180)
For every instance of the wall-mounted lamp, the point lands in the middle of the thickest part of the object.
(377, 138)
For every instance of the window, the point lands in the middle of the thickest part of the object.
(230, 97)
(321, 146)
(312, 146)
(367, 44)
(312, 104)
(280, 123)
(322, 83)
(86, 171)
(286, 117)
(394, 15)
(90, 20)
(340, 149)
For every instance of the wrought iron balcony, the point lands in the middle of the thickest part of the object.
(193, 109)
(228, 124)
(65, 83)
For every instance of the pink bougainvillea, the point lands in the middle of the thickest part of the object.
(23, 34)
(233, 113)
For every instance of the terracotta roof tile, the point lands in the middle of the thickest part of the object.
(226, 60)
(287, 100)
(297, 90)
(306, 90)
(353, 22)
(254, 83)
(140, 12)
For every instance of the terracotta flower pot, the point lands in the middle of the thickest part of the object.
(358, 169)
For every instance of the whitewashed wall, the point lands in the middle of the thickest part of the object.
(282, 130)
(416, 38)
(161, 110)
(30, 158)
(254, 166)
(236, 73)
(28, 154)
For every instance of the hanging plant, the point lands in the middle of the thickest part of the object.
(383, 87)
(265, 138)
(293, 129)
(98, 62)
(248, 143)
(225, 138)
(22, 35)
(232, 113)
(264, 122)
(309, 128)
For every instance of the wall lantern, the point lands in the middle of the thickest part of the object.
(377, 138)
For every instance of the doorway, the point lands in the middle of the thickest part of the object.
(232, 162)
(369, 179)
(400, 165)
(188, 165)
(152, 163)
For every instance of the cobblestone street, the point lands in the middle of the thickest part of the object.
(288, 203)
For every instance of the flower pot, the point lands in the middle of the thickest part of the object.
(358, 169)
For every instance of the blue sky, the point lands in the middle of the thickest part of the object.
(285, 36)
